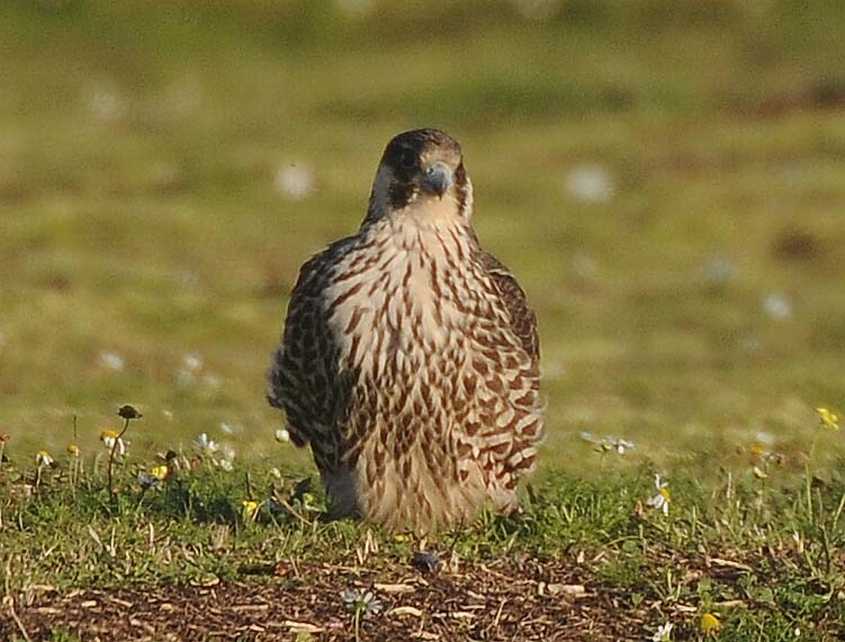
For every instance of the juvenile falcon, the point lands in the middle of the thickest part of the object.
(410, 360)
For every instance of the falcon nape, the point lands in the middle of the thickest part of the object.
(410, 360)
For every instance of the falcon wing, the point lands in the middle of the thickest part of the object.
(303, 379)
(523, 319)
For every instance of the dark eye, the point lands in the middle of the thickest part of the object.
(408, 159)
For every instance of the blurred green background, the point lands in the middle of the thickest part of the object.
(666, 178)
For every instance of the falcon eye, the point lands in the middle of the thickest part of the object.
(408, 159)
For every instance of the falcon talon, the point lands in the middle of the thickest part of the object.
(409, 361)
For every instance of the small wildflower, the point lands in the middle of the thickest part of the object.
(204, 444)
(765, 438)
(364, 602)
(661, 500)
(758, 451)
(663, 633)
(718, 271)
(620, 445)
(73, 450)
(294, 182)
(106, 103)
(227, 428)
(191, 365)
(128, 412)
(777, 306)
(43, 458)
(282, 436)
(828, 419)
(228, 452)
(212, 381)
(192, 362)
(108, 437)
(226, 464)
(112, 361)
(160, 472)
(590, 183)
(355, 8)
(608, 444)
(709, 624)
(249, 510)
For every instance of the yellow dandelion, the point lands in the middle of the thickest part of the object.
(828, 419)
(249, 510)
(709, 624)
(109, 437)
(758, 450)
(43, 458)
(159, 472)
(73, 450)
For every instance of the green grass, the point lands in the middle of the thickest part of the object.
(140, 216)
(139, 147)
(762, 554)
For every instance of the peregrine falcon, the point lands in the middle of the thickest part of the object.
(409, 360)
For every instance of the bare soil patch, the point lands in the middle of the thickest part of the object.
(513, 600)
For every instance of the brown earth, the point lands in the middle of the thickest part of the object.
(513, 600)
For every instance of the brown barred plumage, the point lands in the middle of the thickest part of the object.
(410, 359)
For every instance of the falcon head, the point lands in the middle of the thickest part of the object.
(421, 168)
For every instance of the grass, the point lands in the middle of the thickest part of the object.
(147, 252)
(760, 553)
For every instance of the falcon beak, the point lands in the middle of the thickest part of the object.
(438, 178)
